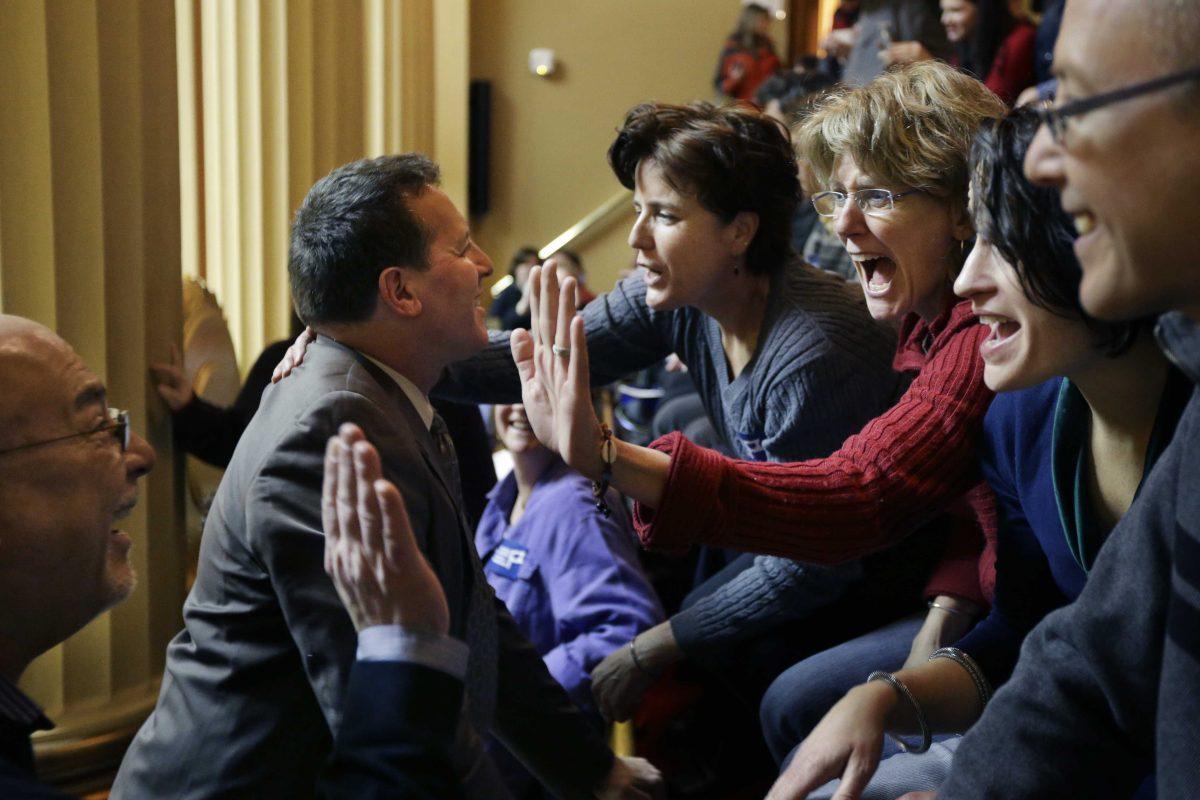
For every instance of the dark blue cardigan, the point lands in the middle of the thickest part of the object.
(1027, 434)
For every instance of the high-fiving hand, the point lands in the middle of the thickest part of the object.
(370, 552)
(552, 361)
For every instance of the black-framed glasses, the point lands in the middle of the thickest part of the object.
(117, 425)
(1055, 117)
(870, 201)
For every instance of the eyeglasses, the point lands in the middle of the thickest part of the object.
(870, 201)
(118, 425)
(1055, 117)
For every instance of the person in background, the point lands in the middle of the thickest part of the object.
(568, 574)
(869, 47)
(203, 429)
(569, 263)
(788, 97)
(1116, 409)
(989, 41)
(1047, 35)
(749, 56)
(504, 306)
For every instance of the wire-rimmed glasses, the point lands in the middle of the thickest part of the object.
(870, 201)
(118, 424)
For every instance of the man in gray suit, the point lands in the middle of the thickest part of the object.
(383, 267)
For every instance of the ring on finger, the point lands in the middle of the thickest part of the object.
(559, 350)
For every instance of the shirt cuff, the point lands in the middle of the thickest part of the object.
(395, 643)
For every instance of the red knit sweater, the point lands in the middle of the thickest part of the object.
(916, 461)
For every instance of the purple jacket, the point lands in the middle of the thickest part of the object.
(569, 576)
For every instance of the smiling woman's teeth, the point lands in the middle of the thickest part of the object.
(1084, 223)
(1002, 327)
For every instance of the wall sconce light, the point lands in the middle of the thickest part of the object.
(542, 62)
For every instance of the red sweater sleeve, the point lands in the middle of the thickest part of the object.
(1012, 68)
(901, 470)
(967, 568)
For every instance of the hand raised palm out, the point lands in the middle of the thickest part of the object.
(552, 361)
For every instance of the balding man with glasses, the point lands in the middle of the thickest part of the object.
(69, 469)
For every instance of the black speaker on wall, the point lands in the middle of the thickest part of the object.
(479, 161)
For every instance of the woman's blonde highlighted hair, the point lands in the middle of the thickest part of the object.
(911, 127)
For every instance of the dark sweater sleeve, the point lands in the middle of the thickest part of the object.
(623, 336)
(769, 592)
(967, 568)
(211, 433)
(899, 472)
(398, 726)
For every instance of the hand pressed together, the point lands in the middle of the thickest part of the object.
(552, 361)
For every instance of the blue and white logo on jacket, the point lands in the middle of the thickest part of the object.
(507, 559)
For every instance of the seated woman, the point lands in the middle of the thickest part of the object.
(894, 154)
(1065, 456)
(569, 576)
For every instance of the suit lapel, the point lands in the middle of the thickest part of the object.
(420, 432)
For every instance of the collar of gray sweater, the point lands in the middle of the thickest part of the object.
(1179, 337)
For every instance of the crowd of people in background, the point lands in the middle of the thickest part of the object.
(918, 520)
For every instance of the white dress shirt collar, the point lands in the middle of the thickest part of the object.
(415, 396)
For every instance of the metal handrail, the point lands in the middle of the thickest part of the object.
(595, 219)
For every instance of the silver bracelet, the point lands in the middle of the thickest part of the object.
(950, 610)
(638, 663)
(902, 690)
(966, 662)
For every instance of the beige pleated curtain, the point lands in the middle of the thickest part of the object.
(145, 140)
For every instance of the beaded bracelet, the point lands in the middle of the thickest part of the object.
(902, 690)
(608, 456)
(966, 662)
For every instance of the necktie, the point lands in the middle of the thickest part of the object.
(448, 456)
(481, 614)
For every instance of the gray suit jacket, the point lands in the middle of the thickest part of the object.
(254, 684)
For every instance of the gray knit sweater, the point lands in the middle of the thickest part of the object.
(823, 367)
(1108, 688)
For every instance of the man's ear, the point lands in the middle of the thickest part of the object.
(396, 291)
(741, 232)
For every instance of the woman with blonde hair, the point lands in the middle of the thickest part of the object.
(893, 156)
